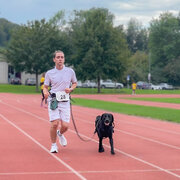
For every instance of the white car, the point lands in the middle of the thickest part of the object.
(166, 86)
(79, 84)
(89, 84)
(30, 81)
(155, 87)
(110, 84)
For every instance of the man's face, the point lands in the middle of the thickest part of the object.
(59, 59)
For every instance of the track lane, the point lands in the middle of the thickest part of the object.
(91, 148)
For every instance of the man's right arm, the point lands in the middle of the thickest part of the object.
(45, 91)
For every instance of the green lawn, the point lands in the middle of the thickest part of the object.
(164, 100)
(18, 89)
(23, 89)
(137, 110)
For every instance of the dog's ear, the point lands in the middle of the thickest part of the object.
(102, 116)
(97, 119)
(112, 118)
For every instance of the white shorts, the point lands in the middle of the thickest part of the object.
(62, 112)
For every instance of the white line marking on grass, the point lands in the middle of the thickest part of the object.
(124, 153)
(44, 148)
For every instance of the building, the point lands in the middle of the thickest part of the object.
(3, 70)
(7, 72)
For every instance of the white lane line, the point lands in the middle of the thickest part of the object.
(138, 136)
(148, 139)
(125, 132)
(44, 148)
(37, 173)
(133, 157)
(124, 153)
(89, 172)
(132, 123)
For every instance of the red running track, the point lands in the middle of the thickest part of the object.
(121, 99)
(145, 149)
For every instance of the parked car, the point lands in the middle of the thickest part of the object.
(155, 87)
(165, 86)
(15, 80)
(79, 84)
(143, 85)
(110, 84)
(30, 81)
(89, 84)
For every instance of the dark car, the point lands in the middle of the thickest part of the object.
(143, 85)
(15, 80)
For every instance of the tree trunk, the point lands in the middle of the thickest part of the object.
(37, 83)
(99, 85)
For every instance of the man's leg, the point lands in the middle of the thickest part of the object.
(63, 129)
(53, 130)
(53, 135)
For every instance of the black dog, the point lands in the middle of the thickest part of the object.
(104, 126)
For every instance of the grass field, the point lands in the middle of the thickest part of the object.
(130, 109)
(164, 100)
(137, 110)
(18, 89)
(23, 89)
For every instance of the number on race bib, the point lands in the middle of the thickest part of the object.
(62, 96)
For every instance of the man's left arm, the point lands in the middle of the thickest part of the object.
(69, 90)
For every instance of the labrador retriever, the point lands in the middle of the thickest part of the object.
(104, 126)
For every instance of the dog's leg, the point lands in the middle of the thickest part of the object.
(101, 149)
(112, 145)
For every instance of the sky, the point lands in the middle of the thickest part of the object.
(22, 11)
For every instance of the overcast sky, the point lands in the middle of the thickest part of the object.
(21, 11)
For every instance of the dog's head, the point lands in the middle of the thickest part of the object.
(107, 119)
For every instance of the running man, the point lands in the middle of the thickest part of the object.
(134, 88)
(42, 86)
(60, 78)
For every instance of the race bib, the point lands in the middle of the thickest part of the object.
(62, 96)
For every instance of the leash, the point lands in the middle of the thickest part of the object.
(72, 117)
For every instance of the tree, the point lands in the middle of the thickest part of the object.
(100, 50)
(137, 36)
(173, 71)
(31, 47)
(138, 66)
(164, 44)
(5, 31)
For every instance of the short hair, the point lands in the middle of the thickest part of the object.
(58, 51)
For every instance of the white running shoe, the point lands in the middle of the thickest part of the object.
(54, 149)
(62, 139)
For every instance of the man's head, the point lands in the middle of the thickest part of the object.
(59, 58)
